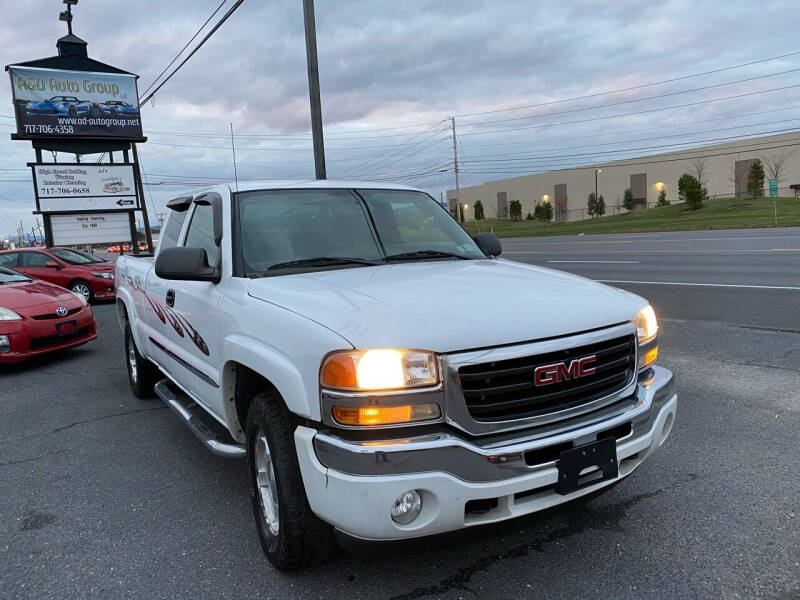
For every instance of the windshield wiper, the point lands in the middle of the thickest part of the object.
(423, 254)
(323, 261)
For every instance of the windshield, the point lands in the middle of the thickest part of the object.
(9, 276)
(283, 226)
(75, 257)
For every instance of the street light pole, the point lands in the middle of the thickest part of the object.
(313, 89)
(596, 196)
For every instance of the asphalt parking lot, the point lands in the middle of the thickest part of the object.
(106, 496)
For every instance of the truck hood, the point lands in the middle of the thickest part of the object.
(448, 306)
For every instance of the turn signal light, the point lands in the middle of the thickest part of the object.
(385, 415)
(649, 357)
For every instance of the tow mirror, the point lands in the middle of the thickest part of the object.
(488, 244)
(183, 263)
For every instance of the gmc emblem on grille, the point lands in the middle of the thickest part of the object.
(550, 374)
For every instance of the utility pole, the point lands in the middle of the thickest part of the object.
(313, 89)
(455, 167)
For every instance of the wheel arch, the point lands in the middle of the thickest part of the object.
(249, 367)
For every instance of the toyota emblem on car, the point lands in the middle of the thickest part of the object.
(61, 311)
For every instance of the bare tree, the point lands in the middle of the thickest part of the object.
(699, 169)
(776, 164)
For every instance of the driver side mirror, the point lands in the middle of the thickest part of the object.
(183, 263)
(488, 244)
(51, 264)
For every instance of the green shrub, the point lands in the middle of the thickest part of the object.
(662, 198)
(515, 210)
(479, 211)
(755, 179)
(595, 207)
(543, 211)
(627, 200)
(691, 192)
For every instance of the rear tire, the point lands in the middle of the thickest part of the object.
(291, 535)
(142, 374)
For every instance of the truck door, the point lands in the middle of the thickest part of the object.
(193, 310)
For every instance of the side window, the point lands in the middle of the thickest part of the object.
(172, 230)
(34, 259)
(201, 232)
(9, 260)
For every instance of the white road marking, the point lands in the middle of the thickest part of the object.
(725, 285)
(605, 262)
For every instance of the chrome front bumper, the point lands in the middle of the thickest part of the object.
(499, 457)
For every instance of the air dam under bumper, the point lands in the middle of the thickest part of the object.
(450, 471)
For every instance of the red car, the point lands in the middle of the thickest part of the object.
(79, 272)
(38, 317)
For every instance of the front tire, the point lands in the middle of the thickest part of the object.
(142, 374)
(291, 535)
(83, 288)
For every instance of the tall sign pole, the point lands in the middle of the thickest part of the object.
(313, 89)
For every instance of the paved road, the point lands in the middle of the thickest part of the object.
(747, 276)
(106, 496)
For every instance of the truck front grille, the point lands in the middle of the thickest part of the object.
(505, 389)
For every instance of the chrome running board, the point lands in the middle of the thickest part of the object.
(200, 423)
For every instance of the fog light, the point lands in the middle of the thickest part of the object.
(406, 508)
(4, 344)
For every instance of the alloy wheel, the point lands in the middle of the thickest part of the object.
(267, 487)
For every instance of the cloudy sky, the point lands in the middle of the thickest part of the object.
(393, 72)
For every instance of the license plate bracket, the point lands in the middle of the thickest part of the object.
(600, 453)
(67, 327)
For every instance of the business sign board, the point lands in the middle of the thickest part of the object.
(773, 187)
(69, 230)
(74, 104)
(83, 187)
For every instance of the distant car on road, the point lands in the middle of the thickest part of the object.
(117, 107)
(60, 106)
(79, 272)
(38, 317)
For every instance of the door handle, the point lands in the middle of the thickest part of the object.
(170, 297)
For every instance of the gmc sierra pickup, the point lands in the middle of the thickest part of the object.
(384, 374)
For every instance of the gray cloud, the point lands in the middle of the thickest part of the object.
(386, 64)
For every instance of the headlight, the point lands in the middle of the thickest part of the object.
(6, 314)
(646, 324)
(81, 298)
(104, 275)
(646, 331)
(385, 369)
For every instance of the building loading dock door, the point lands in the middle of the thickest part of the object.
(502, 205)
(560, 195)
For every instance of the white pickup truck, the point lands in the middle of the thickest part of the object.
(385, 375)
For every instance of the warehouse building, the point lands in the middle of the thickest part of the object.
(722, 168)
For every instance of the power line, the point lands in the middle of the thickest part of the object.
(670, 126)
(640, 112)
(214, 29)
(635, 87)
(383, 154)
(607, 152)
(221, 4)
(510, 154)
(634, 100)
(628, 163)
